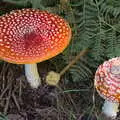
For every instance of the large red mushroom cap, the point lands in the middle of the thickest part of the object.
(107, 80)
(31, 36)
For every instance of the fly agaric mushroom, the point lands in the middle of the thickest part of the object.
(107, 83)
(29, 36)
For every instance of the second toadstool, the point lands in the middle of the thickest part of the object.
(107, 83)
(29, 36)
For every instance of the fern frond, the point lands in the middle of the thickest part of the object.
(111, 43)
(110, 8)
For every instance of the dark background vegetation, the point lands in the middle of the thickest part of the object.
(95, 25)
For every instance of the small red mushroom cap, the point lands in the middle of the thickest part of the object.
(31, 36)
(107, 80)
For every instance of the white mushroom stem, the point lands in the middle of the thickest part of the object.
(110, 109)
(32, 75)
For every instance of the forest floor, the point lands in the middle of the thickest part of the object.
(18, 101)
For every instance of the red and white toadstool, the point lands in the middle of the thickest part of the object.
(29, 36)
(107, 83)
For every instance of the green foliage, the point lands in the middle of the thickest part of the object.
(3, 117)
(95, 25)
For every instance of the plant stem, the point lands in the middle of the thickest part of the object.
(83, 52)
(53, 79)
